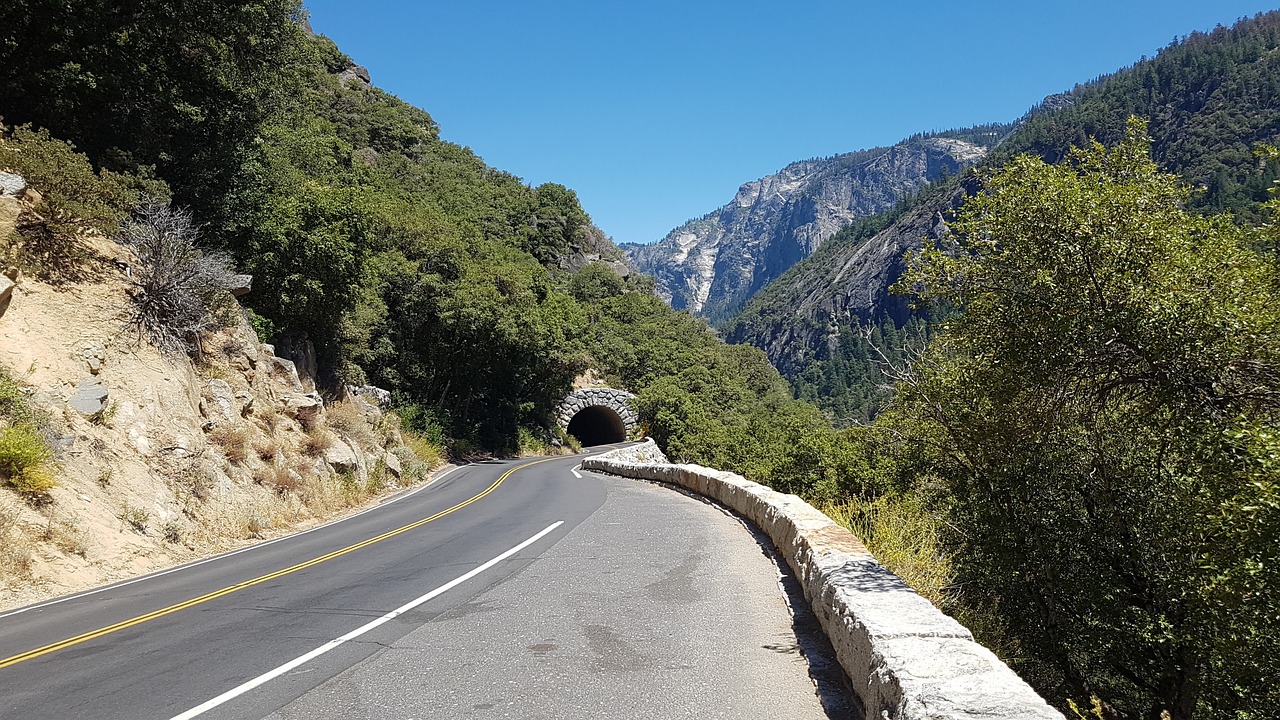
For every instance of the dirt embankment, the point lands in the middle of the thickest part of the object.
(160, 460)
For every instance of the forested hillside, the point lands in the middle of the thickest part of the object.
(1209, 98)
(407, 260)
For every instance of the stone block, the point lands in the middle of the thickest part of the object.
(6, 292)
(307, 409)
(225, 406)
(90, 398)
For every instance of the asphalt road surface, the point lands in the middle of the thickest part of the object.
(505, 589)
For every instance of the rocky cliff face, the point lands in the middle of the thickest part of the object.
(714, 264)
(847, 286)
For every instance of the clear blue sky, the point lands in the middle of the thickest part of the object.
(654, 111)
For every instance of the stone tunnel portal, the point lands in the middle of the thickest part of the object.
(598, 415)
(597, 425)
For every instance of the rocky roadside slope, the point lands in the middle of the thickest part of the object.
(714, 264)
(157, 459)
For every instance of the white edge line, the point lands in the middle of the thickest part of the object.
(303, 659)
(247, 548)
(575, 472)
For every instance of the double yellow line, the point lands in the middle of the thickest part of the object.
(54, 647)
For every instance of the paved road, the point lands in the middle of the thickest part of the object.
(504, 589)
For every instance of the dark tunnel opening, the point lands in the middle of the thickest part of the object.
(597, 425)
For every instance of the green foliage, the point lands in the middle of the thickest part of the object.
(24, 459)
(74, 200)
(594, 283)
(1208, 97)
(182, 87)
(1102, 416)
(263, 328)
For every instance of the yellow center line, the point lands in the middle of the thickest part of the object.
(54, 647)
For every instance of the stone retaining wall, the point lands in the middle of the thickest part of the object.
(905, 658)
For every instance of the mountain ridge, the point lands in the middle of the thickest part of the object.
(712, 265)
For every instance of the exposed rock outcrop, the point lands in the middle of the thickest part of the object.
(849, 286)
(713, 265)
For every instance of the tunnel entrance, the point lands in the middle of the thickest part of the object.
(597, 425)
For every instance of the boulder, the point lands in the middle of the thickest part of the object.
(12, 184)
(245, 400)
(393, 464)
(6, 292)
(300, 350)
(345, 456)
(241, 285)
(357, 74)
(224, 400)
(94, 356)
(90, 398)
(307, 409)
(341, 457)
(371, 394)
(285, 370)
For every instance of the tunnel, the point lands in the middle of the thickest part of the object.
(597, 425)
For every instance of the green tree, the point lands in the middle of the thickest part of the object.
(181, 86)
(1105, 412)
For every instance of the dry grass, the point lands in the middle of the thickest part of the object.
(348, 418)
(66, 533)
(267, 449)
(15, 548)
(282, 481)
(269, 418)
(234, 442)
(317, 441)
(904, 534)
(904, 537)
(424, 450)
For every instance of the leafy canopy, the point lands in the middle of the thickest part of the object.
(1105, 414)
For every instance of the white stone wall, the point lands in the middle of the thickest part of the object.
(905, 658)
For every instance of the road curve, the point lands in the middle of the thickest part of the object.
(376, 616)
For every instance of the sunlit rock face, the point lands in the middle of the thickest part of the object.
(712, 265)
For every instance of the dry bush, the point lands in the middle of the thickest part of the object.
(172, 532)
(136, 518)
(180, 291)
(349, 419)
(282, 480)
(66, 534)
(194, 481)
(254, 523)
(317, 441)
(233, 441)
(269, 419)
(15, 548)
(267, 449)
(390, 429)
